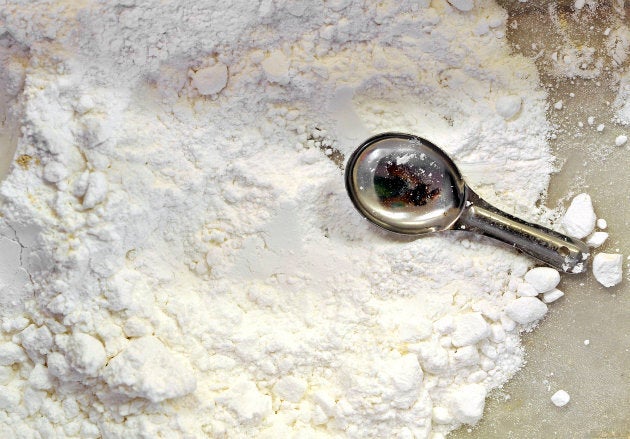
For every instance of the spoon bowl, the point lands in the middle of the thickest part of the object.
(408, 185)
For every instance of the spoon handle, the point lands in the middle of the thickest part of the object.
(555, 249)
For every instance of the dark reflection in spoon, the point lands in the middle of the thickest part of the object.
(402, 184)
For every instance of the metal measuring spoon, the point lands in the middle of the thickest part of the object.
(406, 184)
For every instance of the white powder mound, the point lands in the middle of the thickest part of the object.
(579, 219)
(608, 268)
(179, 257)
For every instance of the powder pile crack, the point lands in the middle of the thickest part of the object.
(185, 261)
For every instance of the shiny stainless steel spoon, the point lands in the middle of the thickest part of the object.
(406, 184)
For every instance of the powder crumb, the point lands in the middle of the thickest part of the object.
(525, 310)
(558, 105)
(11, 353)
(246, 401)
(543, 279)
(55, 172)
(96, 190)
(210, 80)
(621, 140)
(468, 402)
(276, 67)
(600, 127)
(560, 398)
(587, 342)
(84, 353)
(290, 388)
(40, 378)
(527, 290)
(596, 239)
(552, 296)
(602, 223)
(470, 329)
(508, 106)
(607, 268)
(147, 369)
(579, 219)
(591, 120)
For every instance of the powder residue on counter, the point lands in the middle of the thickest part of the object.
(180, 258)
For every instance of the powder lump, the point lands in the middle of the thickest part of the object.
(543, 279)
(526, 310)
(607, 268)
(596, 239)
(579, 219)
(552, 296)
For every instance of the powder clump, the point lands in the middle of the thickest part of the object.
(579, 219)
(608, 268)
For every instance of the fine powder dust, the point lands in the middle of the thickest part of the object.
(179, 257)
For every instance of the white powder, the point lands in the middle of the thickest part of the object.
(179, 256)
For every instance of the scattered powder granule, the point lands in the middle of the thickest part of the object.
(596, 239)
(552, 296)
(560, 398)
(621, 140)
